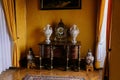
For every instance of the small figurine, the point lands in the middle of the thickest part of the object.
(89, 58)
(47, 32)
(30, 59)
(74, 31)
(30, 54)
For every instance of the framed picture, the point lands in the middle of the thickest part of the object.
(60, 4)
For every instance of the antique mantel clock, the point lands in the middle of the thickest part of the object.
(60, 32)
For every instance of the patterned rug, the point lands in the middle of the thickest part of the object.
(41, 77)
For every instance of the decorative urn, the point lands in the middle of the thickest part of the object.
(74, 31)
(47, 31)
(89, 58)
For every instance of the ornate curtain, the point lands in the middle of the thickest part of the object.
(9, 10)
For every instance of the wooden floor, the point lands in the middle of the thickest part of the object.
(18, 74)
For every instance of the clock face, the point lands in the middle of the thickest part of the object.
(60, 30)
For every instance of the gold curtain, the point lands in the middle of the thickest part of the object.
(9, 10)
(99, 24)
(108, 46)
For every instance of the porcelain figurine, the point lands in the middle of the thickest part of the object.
(89, 58)
(47, 32)
(74, 31)
(30, 55)
(30, 59)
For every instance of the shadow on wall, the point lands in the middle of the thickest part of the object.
(23, 59)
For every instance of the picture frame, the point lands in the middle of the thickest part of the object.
(60, 4)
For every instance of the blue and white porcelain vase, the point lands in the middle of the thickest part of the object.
(89, 58)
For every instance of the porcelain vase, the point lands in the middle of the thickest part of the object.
(74, 31)
(47, 32)
(89, 58)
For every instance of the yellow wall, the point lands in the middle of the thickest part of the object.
(85, 19)
(21, 25)
(115, 42)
